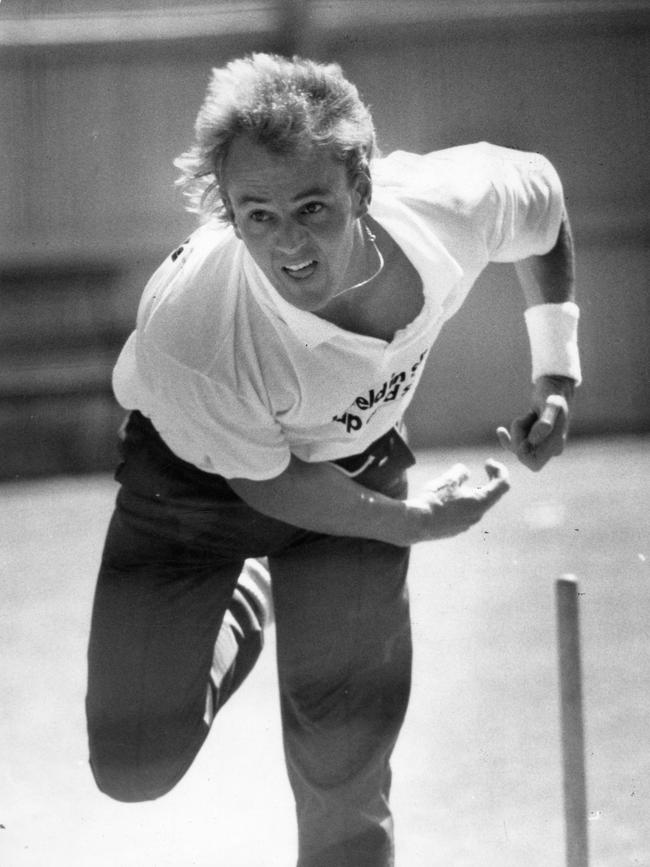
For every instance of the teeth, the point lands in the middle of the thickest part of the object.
(299, 266)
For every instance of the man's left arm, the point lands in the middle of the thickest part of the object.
(552, 319)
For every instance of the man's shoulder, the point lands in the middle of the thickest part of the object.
(212, 242)
(451, 177)
(189, 306)
(481, 156)
(464, 174)
(453, 191)
(196, 272)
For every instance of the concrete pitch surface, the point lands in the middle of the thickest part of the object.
(477, 771)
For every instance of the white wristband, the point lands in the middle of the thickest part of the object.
(553, 335)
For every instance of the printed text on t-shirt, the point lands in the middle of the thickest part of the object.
(391, 389)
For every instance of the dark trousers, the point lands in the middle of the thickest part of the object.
(174, 550)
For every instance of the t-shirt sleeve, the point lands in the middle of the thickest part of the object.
(214, 425)
(529, 204)
(487, 203)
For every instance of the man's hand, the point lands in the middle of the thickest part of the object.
(448, 506)
(537, 437)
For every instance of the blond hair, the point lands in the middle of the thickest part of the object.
(288, 106)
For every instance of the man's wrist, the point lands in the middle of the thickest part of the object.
(552, 384)
(553, 336)
(412, 523)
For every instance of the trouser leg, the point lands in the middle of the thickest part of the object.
(153, 631)
(171, 562)
(344, 663)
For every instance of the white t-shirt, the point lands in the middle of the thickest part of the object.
(235, 379)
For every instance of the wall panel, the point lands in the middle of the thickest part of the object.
(90, 128)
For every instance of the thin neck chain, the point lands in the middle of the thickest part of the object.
(380, 260)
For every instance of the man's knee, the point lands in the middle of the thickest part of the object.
(131, 784)
(131, 769)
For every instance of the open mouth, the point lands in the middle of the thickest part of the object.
(301, 270)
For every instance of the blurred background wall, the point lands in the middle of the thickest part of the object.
(97, 98)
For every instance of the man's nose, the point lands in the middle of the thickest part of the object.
(290, 236)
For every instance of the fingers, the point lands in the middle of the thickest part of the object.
(498, 482)
(477, 501)
(452, 481)
(513, 439)
(505, 440)
(549, 419)
(449, 482)
(516, 441)
(496, 470)
(547, 436)
(521, 428)
(458, 474)
(534, 438)
(450, 506)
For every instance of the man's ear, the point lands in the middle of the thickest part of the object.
(363, 188)
(230, 213)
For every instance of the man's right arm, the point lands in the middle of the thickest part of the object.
(318, 497)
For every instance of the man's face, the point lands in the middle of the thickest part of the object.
(297, 215)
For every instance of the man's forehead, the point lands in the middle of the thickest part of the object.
(253, 172)
(262, 195)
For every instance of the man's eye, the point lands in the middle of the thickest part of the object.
(259, 216)
(313, 207)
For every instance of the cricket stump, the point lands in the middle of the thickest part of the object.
(571, 722)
